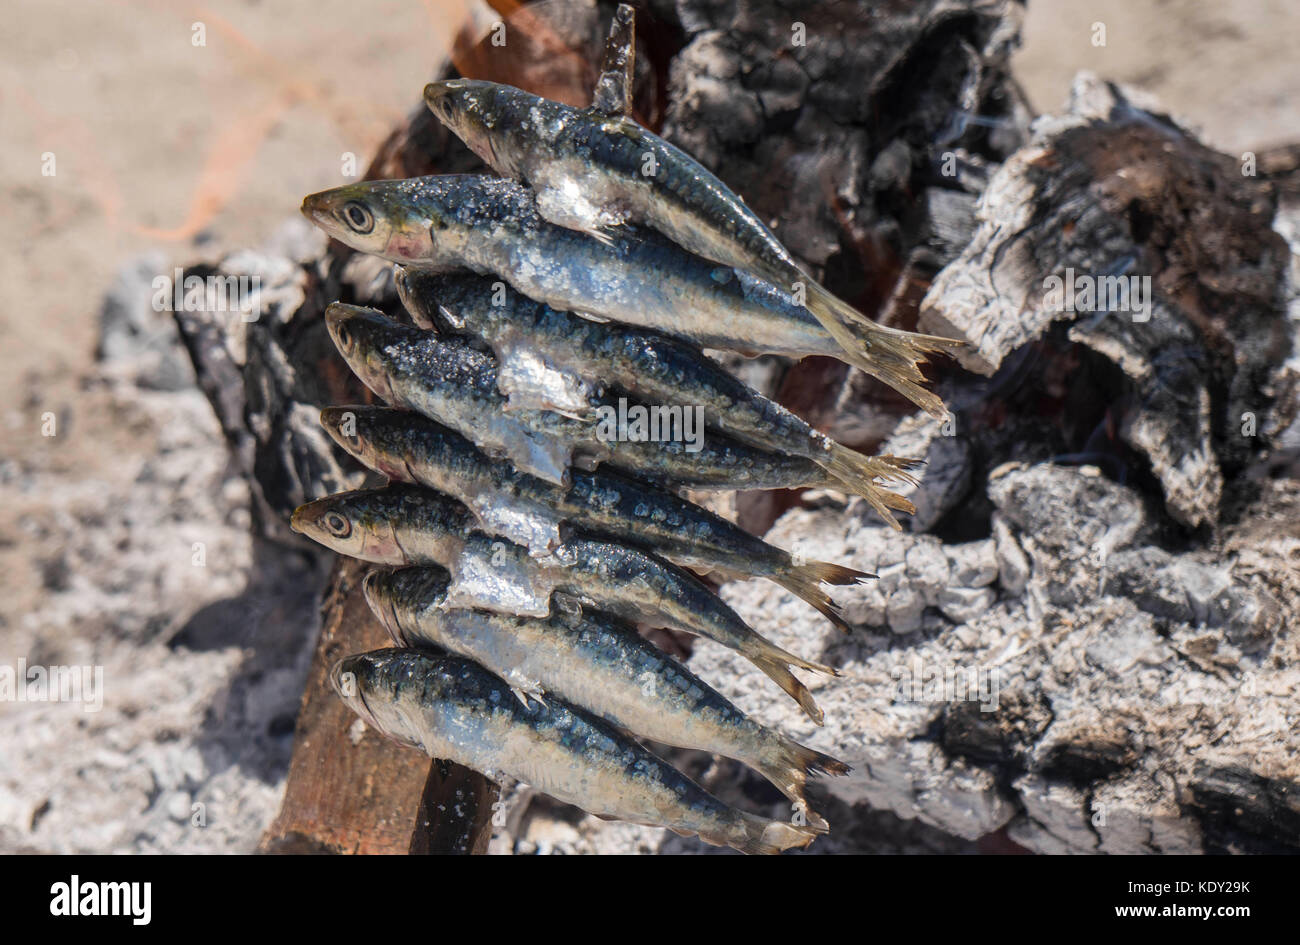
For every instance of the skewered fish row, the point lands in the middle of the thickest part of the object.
(593, 173)
(532, 341)
(400, 526)
(452, 708)
(531, 541)
(598, 663)
(408, 447)
(451, 382)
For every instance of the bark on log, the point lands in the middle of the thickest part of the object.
(1111, 197)
(349, 790)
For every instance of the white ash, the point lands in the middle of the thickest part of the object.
(150, 572)
(1116, 710)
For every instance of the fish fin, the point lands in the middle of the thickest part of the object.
(530, 382)
(533, 525)
(545, 457)
(815, 820)
(525, 688)
(575, 212)
(788, 765)
(760, 835)
(803, 761)
(601, 235)
(882, 501)
(858, 472)
(891, 355)
(823, 572)
(613, 92)
(803, 581)
(777, 669)
(904, 463)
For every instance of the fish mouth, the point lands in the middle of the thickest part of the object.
(465, 122)
(319, 209)
(355, 700)
(434, 93)
(305, 519)
(332, 420)
(381, 606)
(348, 327)
(337, 317)
(301, 519)
(336, 674)
(437, 97)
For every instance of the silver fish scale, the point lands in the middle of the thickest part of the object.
(622, 146)
(454, 364)
(504, 234)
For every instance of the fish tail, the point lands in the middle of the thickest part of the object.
(892, 355)
(754, 834)
(804, 581)
(837, 575)
(788, 765)
(858, 472)
(777, 667)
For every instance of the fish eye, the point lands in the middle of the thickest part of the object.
(337, 524)
(358, 216)
(343, 334)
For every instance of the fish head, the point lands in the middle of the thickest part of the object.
(374, 435)
(412, 300)
(358, 524)
(387, 218)
(403, 445)
(397, 597)
(347, 428)
(419, 290)
(478, 113)
(376, 687)
(362, 335)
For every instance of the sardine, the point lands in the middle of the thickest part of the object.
(490, 225)
(401, 525)
(450, 708)
(450, 382)
(396, 525)
(599, 664)
(653, 366)
(531, 512)
(593, 172)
